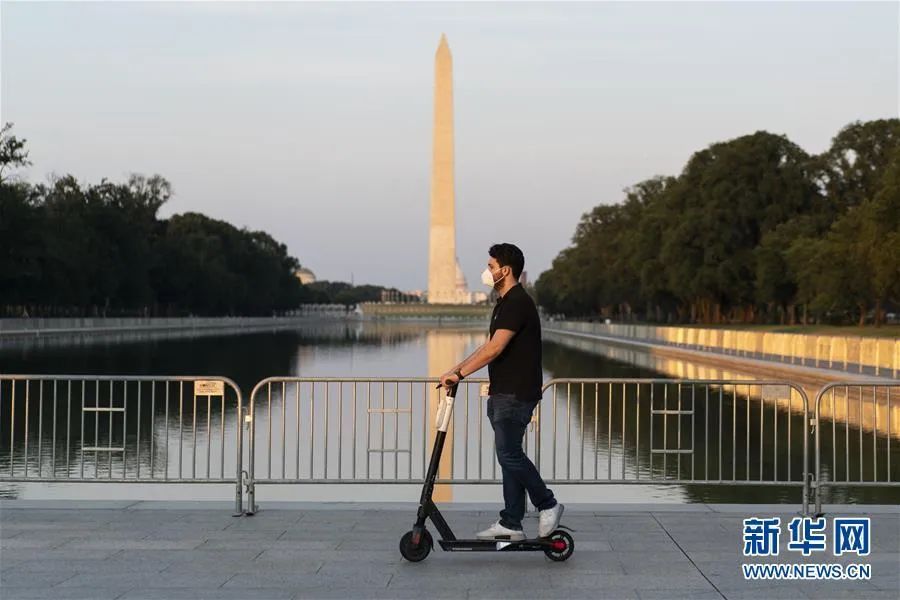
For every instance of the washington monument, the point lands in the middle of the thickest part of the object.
(446, 283)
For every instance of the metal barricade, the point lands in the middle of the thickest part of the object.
(864, 416)
(99, 428)
(664, 431)
(585, 431)
(362, 430)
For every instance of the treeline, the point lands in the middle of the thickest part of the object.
(68, 249)
(101, 250)
(753, 230)
(339, 292)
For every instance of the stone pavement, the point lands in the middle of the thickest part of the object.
(182, 550)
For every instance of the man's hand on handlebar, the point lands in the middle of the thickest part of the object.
(448, 380)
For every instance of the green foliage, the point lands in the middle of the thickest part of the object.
(73, 250)
(220, 269)
(851, 170)
(751, 229)
(12, 152)
(69, 249)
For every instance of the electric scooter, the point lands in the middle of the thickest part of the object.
(416, 544)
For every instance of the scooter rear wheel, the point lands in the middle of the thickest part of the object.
(412, 552)
(562, 546)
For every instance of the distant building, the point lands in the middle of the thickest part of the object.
(463, 295)
(398, 297)
(305, 276)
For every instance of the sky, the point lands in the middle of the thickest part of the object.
(312, 121)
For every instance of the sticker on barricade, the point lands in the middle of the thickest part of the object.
(209, 387)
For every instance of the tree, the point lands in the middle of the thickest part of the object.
(21, 246)
(69, 248)
(850, 171)
(883, 237)
(854, 266)
(12, 152)
(776, 282)
(751, 229)
(727, 198)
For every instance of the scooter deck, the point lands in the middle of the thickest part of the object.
(529, 545)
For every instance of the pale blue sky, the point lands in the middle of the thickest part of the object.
(313, 121)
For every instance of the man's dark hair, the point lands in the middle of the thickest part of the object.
(508, 255)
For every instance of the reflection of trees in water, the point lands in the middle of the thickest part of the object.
(163, 426)
(717, 428)
(353, 333)
(246, 358)
(560, 361)
(613, 426)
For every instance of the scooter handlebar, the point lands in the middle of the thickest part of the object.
(445, 408)
(450, 392)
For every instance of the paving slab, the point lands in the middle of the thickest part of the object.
(295, 550)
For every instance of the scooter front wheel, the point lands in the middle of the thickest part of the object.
(561, 546)
(413, 552)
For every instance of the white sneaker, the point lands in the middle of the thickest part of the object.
(549, 520)
(499, 532)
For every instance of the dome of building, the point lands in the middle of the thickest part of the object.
(305, 276)
(461, 285)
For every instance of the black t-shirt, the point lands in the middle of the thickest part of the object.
(518, 368)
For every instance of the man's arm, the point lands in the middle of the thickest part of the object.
(468, 358)
(486, 352)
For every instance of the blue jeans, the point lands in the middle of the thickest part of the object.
(509, 417)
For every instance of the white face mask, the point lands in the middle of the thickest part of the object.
(487, 278)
